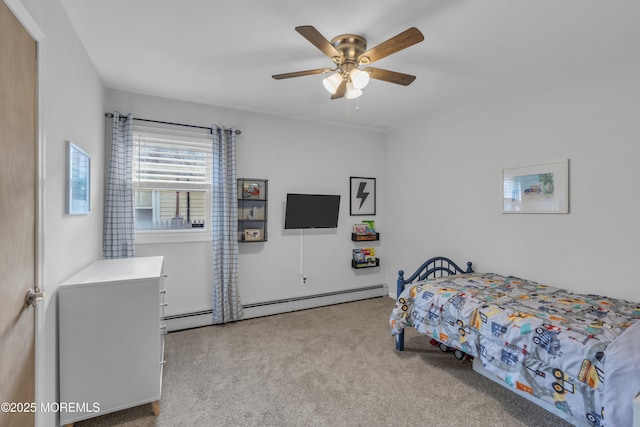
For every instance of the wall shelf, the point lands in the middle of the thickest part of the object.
(364, 257)
(252, 209)
(358, 266)
(365, 237)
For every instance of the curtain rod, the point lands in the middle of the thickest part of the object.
(110, 115)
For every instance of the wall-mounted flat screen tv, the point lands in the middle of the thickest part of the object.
(311, 211)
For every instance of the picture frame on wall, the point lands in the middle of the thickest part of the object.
(78, 181)
(536, 188)
(251, 190)
(362, 199)
(252, 234)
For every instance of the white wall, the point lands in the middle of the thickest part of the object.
(295, 156)
(72, 109)
(445, 180)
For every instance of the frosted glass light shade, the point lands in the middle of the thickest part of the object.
(352, 91)
(332, 82)
(359, 78)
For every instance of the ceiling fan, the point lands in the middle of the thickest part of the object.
(349, 52)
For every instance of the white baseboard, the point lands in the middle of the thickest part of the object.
(203, 318)
(188, 320)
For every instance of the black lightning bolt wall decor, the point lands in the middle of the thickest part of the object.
(362, 195)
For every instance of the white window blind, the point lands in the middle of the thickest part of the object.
(180, 160)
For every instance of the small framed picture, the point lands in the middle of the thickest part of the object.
(363, 196)
(252, 234)
(249, 189)
(536, 188)
(78, 180)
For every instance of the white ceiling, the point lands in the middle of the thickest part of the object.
(224, 52)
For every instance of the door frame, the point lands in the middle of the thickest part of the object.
(34, 30)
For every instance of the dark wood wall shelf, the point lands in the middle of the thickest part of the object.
(365, 237)
(358, 266)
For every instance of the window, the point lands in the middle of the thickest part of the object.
(171, 179)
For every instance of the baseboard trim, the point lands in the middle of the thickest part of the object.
(203, 318)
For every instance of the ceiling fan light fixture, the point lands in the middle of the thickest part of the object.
(359, 78)
(348, 52)
(332, 82)
(352, 92)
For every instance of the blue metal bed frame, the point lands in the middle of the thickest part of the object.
(431, 268)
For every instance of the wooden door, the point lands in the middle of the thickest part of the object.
(18, 204)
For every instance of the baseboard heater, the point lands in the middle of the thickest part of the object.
(203, 318)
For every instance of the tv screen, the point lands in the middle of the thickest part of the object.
(311, 211)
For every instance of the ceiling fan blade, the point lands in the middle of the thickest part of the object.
(319, 41)
(390, 76)
(302, 73)
(340, 91)
(394, 44)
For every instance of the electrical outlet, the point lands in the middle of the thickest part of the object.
(304, 279)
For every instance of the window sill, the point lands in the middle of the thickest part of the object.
(179, 236)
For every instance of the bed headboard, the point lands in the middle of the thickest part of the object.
(434, 267)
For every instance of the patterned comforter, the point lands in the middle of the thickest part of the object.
(544, 341)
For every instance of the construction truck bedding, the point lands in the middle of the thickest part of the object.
(577, 353)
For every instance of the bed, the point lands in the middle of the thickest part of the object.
(577, 356)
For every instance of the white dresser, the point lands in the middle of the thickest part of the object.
(111, 340)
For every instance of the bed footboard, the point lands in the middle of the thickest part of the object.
(431, 268)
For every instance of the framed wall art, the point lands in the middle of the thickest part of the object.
(536, 188)
(363, 196)
(252, 189)
(78, 180)
(253, 234)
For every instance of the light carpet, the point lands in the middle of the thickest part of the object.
(327, 366)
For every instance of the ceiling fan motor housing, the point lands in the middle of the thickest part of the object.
(351, 46)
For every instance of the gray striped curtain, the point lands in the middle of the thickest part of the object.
(226, 298)
(119, 222)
